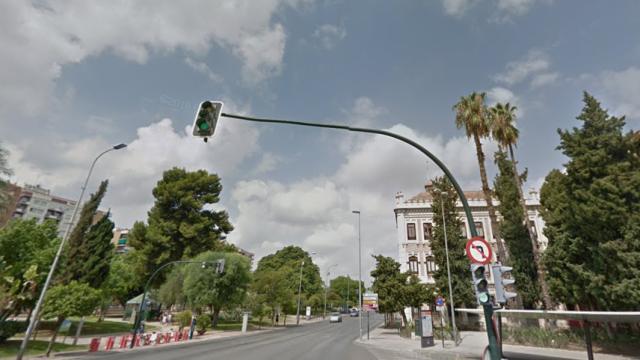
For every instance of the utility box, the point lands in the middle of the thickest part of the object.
(426, 329)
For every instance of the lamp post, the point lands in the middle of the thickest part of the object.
(300, 292)
(326, 288)
(56, 259)
(359, 272)
(446, 249)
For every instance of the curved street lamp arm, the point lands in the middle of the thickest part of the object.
(441, 165)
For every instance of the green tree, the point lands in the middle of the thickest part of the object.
(473, 116)
(514, 232)
(181, 223)
(288, 260)
(444, 195)
(389, 284)
(417, 293)
(347, 288)
(504, 131)
(77, 251)
(172, 292)
(592, 215)
(64, 301)
(26, 252)
(100, 251)
(272, 289)
(123, 281)
(205, 287)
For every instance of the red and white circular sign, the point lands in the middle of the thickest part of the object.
(479, 251)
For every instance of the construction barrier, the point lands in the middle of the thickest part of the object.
(185, 335)
(176, 336)
(167, 338)
(124, 341)
(110, 341)
(94, 345)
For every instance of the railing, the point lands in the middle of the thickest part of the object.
(587, 318)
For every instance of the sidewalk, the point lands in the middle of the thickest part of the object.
(385, 341)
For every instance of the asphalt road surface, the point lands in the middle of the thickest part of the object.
(315, 341)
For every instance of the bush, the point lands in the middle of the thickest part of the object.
(10, 328)
(184, 319)
(203, 322)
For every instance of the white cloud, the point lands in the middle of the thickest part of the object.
(515, 7)
(203, 68)
(457, 8)
(132, 172)
(544, 79)
(268, 163)
(621, 89)
(39, 38)
(535, 62)
(329, 35)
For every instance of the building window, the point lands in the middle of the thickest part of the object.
(428, 231)
(413, 264)
(411, 231)
(431, 264)
(479, 228)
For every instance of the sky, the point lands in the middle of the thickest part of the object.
(79, 76)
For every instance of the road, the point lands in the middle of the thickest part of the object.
(314, 341)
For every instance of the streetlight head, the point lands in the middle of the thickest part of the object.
(120, 146)
(356, 211)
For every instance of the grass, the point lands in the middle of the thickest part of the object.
(91, 327)
(10, 348)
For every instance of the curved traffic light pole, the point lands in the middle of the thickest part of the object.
(488, 309)
(139, 316)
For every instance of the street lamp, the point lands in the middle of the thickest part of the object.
(300, 292)
(326, 288)
(36, 309)
(446, 249)
(359, 272)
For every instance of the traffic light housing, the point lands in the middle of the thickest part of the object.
(480, 284)
(501, 282)
(206, 119)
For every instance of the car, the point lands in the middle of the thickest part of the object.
(354, 313)
(335, 318)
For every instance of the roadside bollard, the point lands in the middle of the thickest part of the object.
(110, 341)
(176, 336)
(185, 335)
(124, 341)
(94, 345)
(139, 339)
(167, 338)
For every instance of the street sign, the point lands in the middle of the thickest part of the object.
(439, 301)
(65, 326)
(439, 308)
(479, 251)
(370, 302)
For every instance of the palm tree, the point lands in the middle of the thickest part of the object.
(473, 116)
(503, 130)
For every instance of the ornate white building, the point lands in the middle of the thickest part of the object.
(414, 221)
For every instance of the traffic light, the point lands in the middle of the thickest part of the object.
(206, 119)
(480, 284)
(499, 271)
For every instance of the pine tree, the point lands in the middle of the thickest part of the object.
(592, 213)
(100, 252)
(444, 194)
(515, 233)
(181, 223)
(77, 251)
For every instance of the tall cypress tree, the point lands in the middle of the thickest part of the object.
(77, 250)
(444, 194)
(100, 251)
(593, 215)
(514, 232)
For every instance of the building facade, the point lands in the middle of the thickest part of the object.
(35, 202)
(120, 240)
(414, 222)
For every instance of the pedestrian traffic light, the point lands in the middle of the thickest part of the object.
(206, 119)
(480, 284)
(501, 283)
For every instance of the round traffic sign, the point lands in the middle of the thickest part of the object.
(479, 251)
(439, 301)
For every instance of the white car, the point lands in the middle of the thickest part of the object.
(335, 317)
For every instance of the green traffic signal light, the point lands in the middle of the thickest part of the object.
(206, 119)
